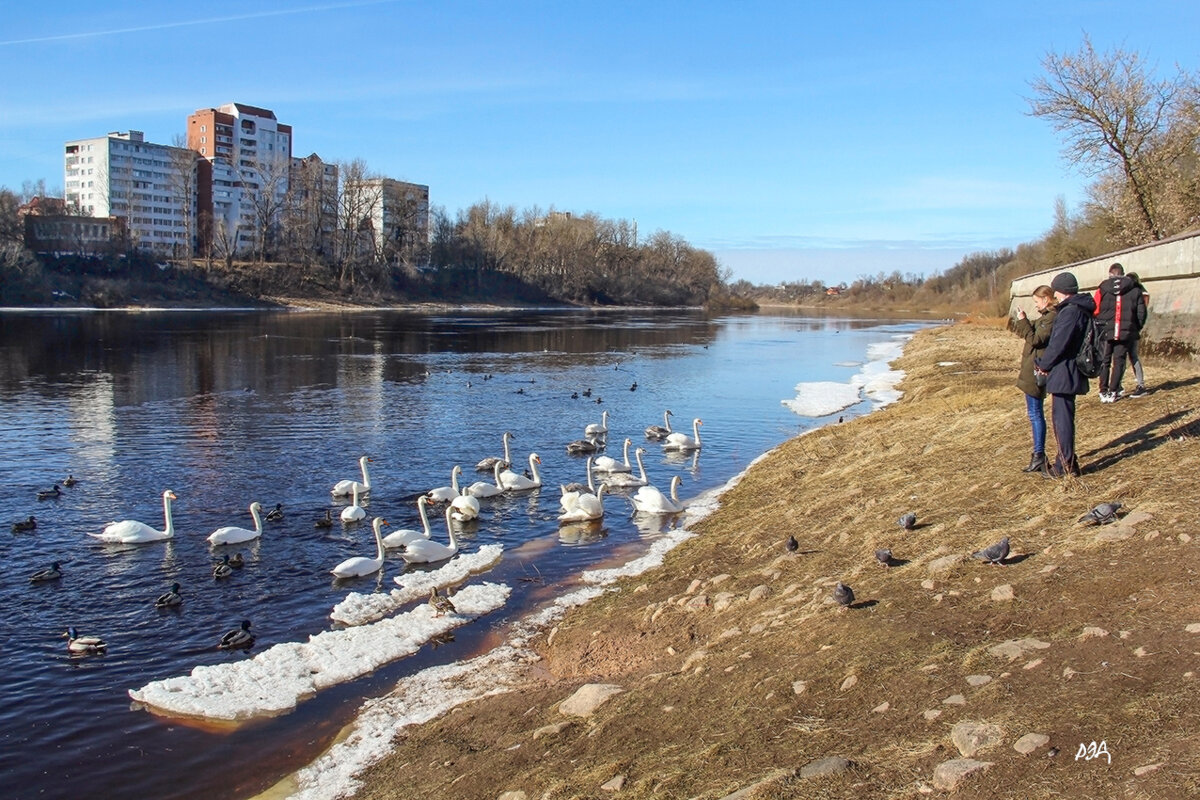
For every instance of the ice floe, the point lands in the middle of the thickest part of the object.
(875, 379)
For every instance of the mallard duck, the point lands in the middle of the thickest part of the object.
(441, 604)
(239, 638)
(237, 560)
(223, 569)
(49, 494)
(24, 524)
(169, 599)
(275, 514)
(51, 573)
(325, 521)
(69, 481)
(84, 644)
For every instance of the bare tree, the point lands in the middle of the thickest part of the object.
(358, 198)
(182, 181)
(264, 188)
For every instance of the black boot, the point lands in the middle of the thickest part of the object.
(1036, 463)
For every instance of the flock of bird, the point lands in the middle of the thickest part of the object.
(578, 503)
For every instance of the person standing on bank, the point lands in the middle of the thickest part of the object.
(1036, 334)
(1134, 360)
(1121, 314)
(1057, 362)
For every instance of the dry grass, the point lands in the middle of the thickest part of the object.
(951, 451)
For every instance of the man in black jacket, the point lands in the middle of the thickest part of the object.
(1121, 314)
(1063, 381)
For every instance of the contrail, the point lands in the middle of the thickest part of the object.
(188, 23)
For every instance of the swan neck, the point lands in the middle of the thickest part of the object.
(170, 523)
(366, 475)
(507, 457)
(377, 526)
(450, 529)
(534, 469)
(257, 518)
(424, 517)
(627, 443)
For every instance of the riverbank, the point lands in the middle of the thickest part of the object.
(735, 668)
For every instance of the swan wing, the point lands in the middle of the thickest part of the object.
(231, 534)
(127, 531)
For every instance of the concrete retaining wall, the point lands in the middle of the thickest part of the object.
(1170, 271)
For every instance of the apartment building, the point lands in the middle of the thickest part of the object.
(396, 214)
(150, 186)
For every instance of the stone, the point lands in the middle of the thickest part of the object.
(587, 698)
(932, 714)
(759, 593)
(1193, 628)
(1037, 662)
(723, 600)
(799, 687)
(955, 700)
(825, 767)
(1003, 593)
(979, 680)
(881, 708)
(697, 603)
(944, 564)
(752, 789)
(1183, 537)
(1140, 771)
(928, 584)
(1015, 648)
(551, 730)
(693, 659)
(517, 795)
(849, 683)
(694, 586)
(973, 737)
(1046, 570)
(1093, 632)
(949, 775)
(613, 784)
(1141, 652)
(1030, 742)
(719, 579)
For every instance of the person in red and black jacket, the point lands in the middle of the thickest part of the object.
(1121, 314)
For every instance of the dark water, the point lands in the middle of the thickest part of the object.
(229, 407)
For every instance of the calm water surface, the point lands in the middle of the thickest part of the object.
(230, 407)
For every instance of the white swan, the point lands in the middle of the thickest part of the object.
(361, 565)
(465, 507)
(132, 532)
(486, 464)
(626, 479)
(587, 507)
(425, 551)
(651, 500)
(353, 512)
(231, 534)
(681, 441)
(513, 482)
(485, 489)
(610, 464)
(573, 491)
(581, 446)
(346, 488)
(444, 494)
(600, 429)
(406, 536)
(660, 432)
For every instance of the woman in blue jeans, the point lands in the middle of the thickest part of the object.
(1036, 334)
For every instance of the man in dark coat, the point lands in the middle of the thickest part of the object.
(1063, 381)
(1121, 314)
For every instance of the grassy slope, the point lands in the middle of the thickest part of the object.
(705, 725)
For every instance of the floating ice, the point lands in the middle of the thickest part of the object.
(358, 608)
(278, 678)
(822, 398)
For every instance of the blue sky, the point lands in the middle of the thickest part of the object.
(797, 141)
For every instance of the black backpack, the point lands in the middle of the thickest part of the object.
(1090, 351)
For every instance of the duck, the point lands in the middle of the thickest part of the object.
(513, 482)
(599, 429)
(404, 536)
(223, 569)
(133, 532)
(660, 432)
(50, 573)
(681, 441)
(232, 534)
(237, 560)
(238, 638)
(444, 494)
(486, 464)
(610, 464)
(25, 524)
(587, 507)
(346, 488)
(626, 479)
(425, 551)
(485, 489)
(69, 481)
(573, 491)
(49, 494)
(361, 565)
(325, 521)
(651, 500)
(275, 514)
(84, 644)
(169, 599)
(465, 506)
(441, 603)
(582, 446)
(353, 512)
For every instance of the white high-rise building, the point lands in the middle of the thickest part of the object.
(396, 213)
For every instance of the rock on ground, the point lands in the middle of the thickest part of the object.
(971, 737)
(588, 698)
(949, 775)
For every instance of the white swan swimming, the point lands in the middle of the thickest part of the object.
(610, 464)
(353, 512)
(425, 551)
(486, 464)
(346, 488)
(169, 599)
(651, 500)
(465, 507)
(405, 536)
(660, 432)
(600, 429)
(485, 489)
(133, 532)
(83, 644)
(681, 441)
(444, 494)
(361, 565)
(513, 482)
(626, 479)
(232, 534)
(587, 507)
(573, 491)
(237, 638)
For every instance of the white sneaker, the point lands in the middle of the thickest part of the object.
(1108, 397)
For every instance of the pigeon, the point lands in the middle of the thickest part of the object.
(792, 544)
(1101, 514)
(843, 595)
(994, 554)
(908, 521)
(884, 557)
